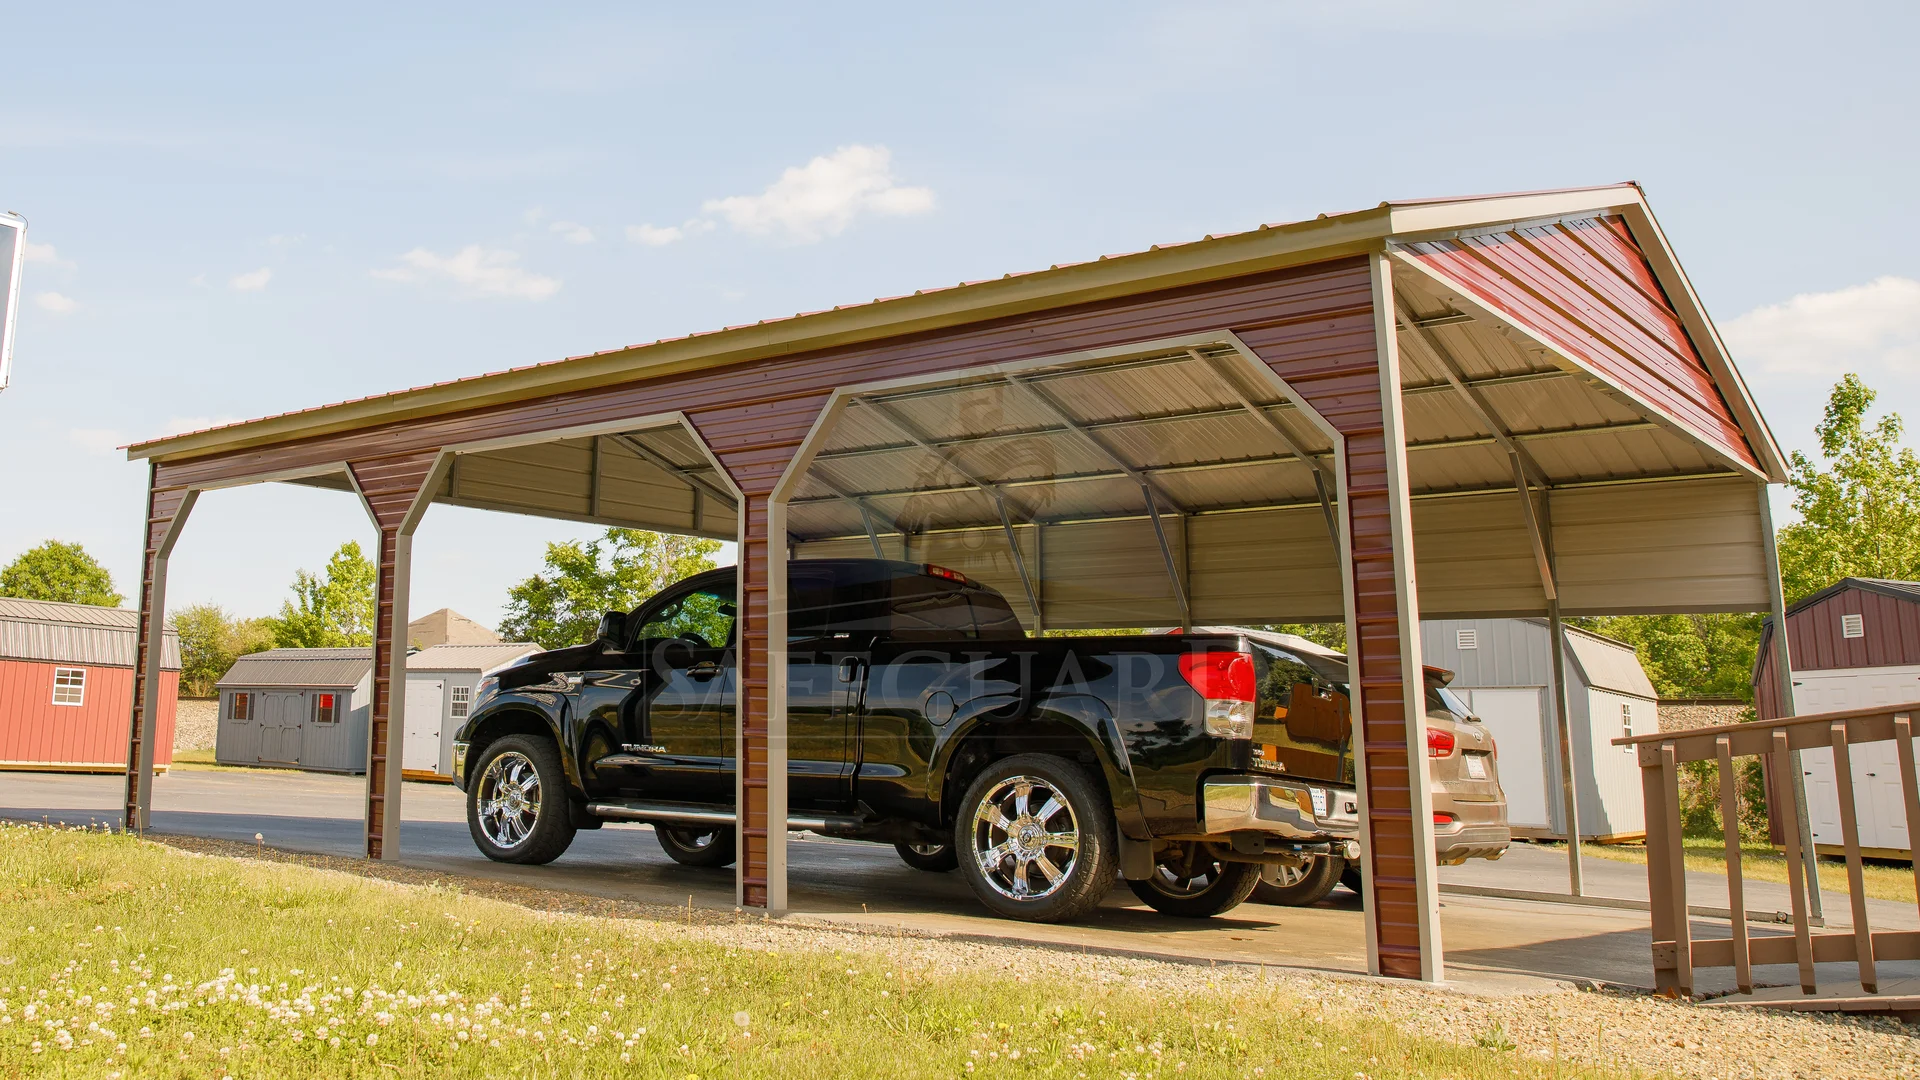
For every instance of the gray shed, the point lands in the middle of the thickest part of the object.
(300, 708)
(440, 689)
(1504, 670)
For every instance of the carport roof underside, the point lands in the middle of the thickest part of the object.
(1545, 339)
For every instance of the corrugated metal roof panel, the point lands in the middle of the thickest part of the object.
(468, 657)
(76, 633)
(299, 667)
(1609, 664)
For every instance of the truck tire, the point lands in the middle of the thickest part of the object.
(694, 846)
(517, 808)
(933, 858)
(1212, 887)
(1034, 837)
(1302, 885)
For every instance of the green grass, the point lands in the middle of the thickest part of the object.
(203, 759)
(1760, 862)
(121, 958)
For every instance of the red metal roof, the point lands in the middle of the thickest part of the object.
(1389, 204)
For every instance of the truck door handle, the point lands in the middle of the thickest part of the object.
(849, 668)
(703, 671)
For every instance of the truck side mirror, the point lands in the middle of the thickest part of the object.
(613, 629)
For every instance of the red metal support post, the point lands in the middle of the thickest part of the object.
(396, 491)
(167, 510)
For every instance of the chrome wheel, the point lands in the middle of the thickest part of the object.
(1290, 874)
(1025, 838)
(694, 841)
(509, 799)
(928, 850)
(1168, 879)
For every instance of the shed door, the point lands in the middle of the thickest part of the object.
(1513, 717)
(282, 720)
(1876, 766)
(426, 707)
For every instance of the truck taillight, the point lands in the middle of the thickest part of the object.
(1439, 743)
(942, 572)
(1225, 681)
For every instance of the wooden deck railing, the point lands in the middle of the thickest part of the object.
(1676, 956)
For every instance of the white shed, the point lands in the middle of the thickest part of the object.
(440, 688)
(1504, 670)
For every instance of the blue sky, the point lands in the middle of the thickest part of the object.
(240, 211)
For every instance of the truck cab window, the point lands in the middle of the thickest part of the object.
(704, 616)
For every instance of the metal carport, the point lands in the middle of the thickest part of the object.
(1502, 405)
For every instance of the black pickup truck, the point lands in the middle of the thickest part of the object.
(919, 715)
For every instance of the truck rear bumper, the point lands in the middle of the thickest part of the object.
(1292, 809)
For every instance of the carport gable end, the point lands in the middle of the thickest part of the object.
(1313, 301)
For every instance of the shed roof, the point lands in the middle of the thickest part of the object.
(76, 633)
(299, 667)
(1608, 664)
(468, 657)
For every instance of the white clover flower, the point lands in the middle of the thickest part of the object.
(372, 1038)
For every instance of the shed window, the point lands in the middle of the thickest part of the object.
(70, 686)
(1467, 639)
(1852, 626)
(462, 697)
(1626, 718)
(241, 708)
(324, 711)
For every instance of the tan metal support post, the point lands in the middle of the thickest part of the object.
(1412, 683)
(166, 515)
(1563, 722)
(1783, 678)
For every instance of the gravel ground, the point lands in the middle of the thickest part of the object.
(1632, 1032)
(195, 722)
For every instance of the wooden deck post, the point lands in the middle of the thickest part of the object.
(167, 511)
(1660, 883)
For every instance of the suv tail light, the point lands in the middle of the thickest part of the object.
(942, 572)
(1439, 743)
(1225, 681)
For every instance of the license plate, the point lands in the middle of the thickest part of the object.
(1476, 766)
(1319, 802)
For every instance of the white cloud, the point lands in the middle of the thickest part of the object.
(475, 270)
(180, 425)
(251, 281)
(97, 440)
(1862, 328)
(572, 232)
(662, 235)
(822, 197)
(56, 303)
(44, 253)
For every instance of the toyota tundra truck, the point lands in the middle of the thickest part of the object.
(918, 714)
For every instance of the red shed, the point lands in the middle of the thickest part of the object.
(66, 686)
(1854, 645)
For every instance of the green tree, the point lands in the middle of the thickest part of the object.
(332, 609)
(1859, 516)
(57, 571)
(1689, 655)
(210, 641)
(562, 605)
